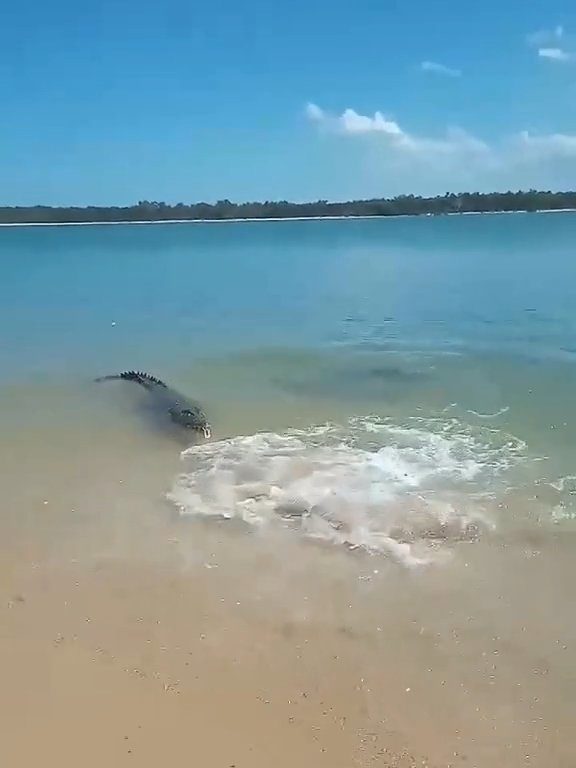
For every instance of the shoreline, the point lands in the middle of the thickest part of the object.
(276, 219)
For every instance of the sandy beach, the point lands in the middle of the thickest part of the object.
(133, 636)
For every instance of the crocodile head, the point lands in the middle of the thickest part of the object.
(191, 418)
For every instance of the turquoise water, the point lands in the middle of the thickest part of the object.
(454, 329)
(502, 284)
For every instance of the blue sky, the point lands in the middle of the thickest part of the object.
(121, 100)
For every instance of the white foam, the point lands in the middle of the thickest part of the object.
(407, 490)
(566, 483)
(500, 412)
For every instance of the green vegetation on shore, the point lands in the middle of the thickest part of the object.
(408, 205)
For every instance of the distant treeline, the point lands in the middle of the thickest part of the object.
(408, 205)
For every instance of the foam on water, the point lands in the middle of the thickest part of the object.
(407, 490)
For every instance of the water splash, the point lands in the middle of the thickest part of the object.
(409, 490)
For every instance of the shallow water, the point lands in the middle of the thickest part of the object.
(392, 406)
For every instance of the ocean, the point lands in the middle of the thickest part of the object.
(393, 458)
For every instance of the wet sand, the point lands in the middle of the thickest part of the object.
(131, 636)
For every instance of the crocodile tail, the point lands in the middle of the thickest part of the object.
(144, 379)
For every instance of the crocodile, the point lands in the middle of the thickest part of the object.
(183, 411)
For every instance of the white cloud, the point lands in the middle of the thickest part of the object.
(439, 69)
(547, 145)
(552, 44)
(545, 37)
(556, 54)
(351, 123)
(454, 159)
(314, 112)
